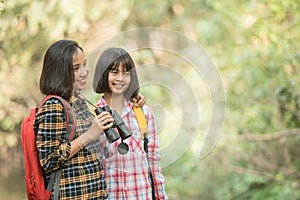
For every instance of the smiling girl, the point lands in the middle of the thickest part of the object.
(127, 174)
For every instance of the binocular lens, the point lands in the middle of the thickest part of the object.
(123, 148)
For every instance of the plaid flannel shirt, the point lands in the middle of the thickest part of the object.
(82, 175)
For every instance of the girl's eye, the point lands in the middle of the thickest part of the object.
(76, 68)
(126, 73)
(114, 71)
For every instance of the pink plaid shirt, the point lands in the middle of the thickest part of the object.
(127, 175)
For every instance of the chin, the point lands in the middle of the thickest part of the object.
(118, 93)
(81, 87)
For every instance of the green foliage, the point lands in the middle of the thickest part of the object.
(262, 67)
(27, 28)
(254, 45)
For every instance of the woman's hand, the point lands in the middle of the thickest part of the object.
(100, 123)
(139, 100)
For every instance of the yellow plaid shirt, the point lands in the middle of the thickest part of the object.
(82, 175)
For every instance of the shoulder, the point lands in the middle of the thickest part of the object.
(53, 103)
(146, 108)
(50, 107)
(148, 112)
(51, 111)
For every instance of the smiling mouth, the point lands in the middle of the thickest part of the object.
(82, 80)
(118, 86)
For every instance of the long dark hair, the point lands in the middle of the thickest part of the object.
(57, 76)
(110, 59)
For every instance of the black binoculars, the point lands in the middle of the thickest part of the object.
(110, 133)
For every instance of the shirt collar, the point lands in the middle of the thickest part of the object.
(77, 100)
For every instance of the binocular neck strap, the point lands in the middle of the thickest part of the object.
(141, 119)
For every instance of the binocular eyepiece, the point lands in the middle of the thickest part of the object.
(110, 133)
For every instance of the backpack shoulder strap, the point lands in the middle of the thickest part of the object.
(71, 124)
(68, 110)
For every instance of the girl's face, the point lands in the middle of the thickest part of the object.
(81, 71)
(118, 80)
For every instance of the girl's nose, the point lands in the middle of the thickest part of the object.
(83, 71)
(120, 76)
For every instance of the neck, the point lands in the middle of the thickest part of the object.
(115, 102)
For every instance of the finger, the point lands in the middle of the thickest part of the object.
(108, 125)
(105, 118)
(102, 114)
(142, 102)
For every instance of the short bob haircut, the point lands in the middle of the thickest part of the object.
(57, 75)
(111, 59)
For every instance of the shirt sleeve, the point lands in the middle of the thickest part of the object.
(154, 157)
(52, 145)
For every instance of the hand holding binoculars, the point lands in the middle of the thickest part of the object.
(111, 134)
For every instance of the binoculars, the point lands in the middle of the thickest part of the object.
(110, 133)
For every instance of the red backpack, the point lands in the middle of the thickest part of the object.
(34, 179)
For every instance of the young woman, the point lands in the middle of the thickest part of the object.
(82, 173)
(127, 174)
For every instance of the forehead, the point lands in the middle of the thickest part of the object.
(78, 57)
(121, 66)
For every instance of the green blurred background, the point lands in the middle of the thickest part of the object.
(254, 45)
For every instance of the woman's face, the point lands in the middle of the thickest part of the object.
(81, 71)
(118, 80)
